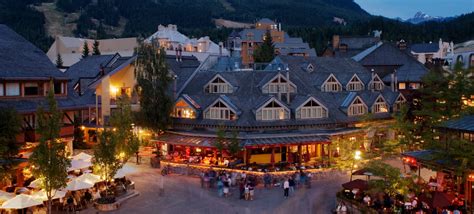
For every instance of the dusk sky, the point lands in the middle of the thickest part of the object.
(407, 8)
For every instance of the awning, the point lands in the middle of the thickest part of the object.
(253, 141)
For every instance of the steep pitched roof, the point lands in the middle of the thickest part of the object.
(464, 123)
(21, 59)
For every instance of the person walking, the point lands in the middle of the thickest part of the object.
(241, 189)
(220, 188)
(267, 179)
(286, 188)
(291, 182)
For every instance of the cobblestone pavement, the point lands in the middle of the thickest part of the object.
(184, 195)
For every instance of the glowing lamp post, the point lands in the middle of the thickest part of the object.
(357, 156)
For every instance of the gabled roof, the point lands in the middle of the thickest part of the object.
(190, 101)
(19, 59)
(464, 123)
(425, 47)
(228, 102)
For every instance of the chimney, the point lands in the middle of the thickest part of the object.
(372, 85)
(175, 77)
(392, 81)
(402, 45)
(279, 26)
(288, 87)
(335, 41)
(220, 48)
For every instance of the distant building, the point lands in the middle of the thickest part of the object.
(175, 42)
(70, 48)
(243, 43)
(349, 46)
(462, 53)
(427, 52)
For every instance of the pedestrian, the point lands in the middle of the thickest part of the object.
(247, 192)
(220, 188)
(226, 188)
(241, 189)
(292, 184)
(286, 188)
(251, 191)
(267, 179)
(297, 180)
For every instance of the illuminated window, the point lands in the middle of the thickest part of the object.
(2, 93)
(380, 106)
(399, 103)
(12, 89)
(311, 110)
(219, 85)
(220, 111)
(357, 108)
(331, 85)
(183, 110)
(414, 85)
(402, 85)
(273, 111)
(355, 84)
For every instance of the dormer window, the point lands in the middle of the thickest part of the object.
(183, 110)
(279, 84)
(218, 86)
(273, 110)
(380, 106)
(310, 68)
(399, 103)
(376, 83)
(355, 84)
(331, 84)
(311, 109)
(357, 107)
(220, 111)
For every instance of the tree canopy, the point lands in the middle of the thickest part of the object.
(266, 51)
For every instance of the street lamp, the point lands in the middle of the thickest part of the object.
(357, 156)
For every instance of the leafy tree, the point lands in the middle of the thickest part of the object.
(78, 141)
(344, 158)
(85, 50)
(106, 156)
(49, 158)
(234, 145)
(153, 84)
(266, 51)
(59, 61)
(95, 48)
(122, 119)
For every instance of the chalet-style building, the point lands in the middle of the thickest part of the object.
(70, 48)
(243, 43)
(428, 52)
(394, 66)
(289, 111)
(177, 43)
(349, 46)
(462, 53)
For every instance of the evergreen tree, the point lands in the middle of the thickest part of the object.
(220, 140)
(10, 126)
(95, 48)
(234, 145)
(59, 61)
(85, 50)
(153, 84)
(266, 51)
(49, 158)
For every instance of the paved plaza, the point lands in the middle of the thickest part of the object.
(184, 195)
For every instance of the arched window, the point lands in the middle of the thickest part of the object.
(331, 85)
(311, 110)
(355, 84)
(357, 107)
(380, 106)
(471, 60)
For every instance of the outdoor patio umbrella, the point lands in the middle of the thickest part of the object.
(21, 201)
(82, 156)
(77, 184)
(5, 196)
(356, 184)
(79, 164)
(41, 195)
(36, 184)
(125, 170)
(437, 199)
(89, 178)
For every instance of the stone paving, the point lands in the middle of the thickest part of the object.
(184, 194)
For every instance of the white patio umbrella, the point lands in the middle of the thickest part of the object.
(36, 184)
(79, 164)
(125, 170)
(5, 196)
(77, 184)
(89, 178)
(21, 201)
(82, 156)
(41, 195)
